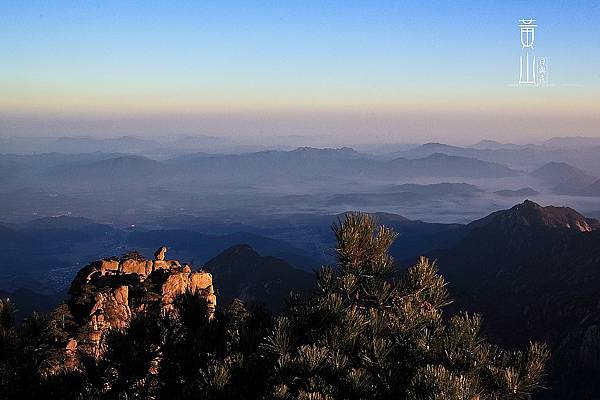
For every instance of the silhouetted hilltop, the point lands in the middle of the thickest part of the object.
(534, 272)
(244, 274)
(530, 215)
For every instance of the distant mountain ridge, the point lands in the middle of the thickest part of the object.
(533, 216)
(440, 164)
(328, 161)
(523, 192)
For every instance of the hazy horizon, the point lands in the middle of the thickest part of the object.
(352, 71)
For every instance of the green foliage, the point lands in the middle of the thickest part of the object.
(366, 332)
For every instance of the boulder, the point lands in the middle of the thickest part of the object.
(111, 309)
(109, 266)
(166, 265)
(106, 294)
(159, 254)
(134, 267)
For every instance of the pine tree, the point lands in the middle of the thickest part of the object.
(366, 334)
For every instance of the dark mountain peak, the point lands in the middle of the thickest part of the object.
(242, 257)
(528, 206)
(530, 215)
(244, 274)
(239, 250)
(386, 217)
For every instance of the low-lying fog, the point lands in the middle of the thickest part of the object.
(122, 181)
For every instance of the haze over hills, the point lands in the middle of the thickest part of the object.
(261, 222)
(519, 156)
(125, 188)
(523, 192)
(573, 142)
(281, 202)
(566, 179)
(145, 185)
(440, 164)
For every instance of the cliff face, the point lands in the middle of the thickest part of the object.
(106, 294)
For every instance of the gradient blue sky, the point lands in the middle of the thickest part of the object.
(358, 70)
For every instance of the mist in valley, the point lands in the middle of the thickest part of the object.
(132, 192)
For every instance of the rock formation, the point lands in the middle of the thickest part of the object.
(107, 293)
(159, 254)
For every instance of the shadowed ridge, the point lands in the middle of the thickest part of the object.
(531, 215)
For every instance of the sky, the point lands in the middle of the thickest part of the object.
(363, 71)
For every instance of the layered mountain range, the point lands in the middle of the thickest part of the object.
(259, 220)
(435, 182)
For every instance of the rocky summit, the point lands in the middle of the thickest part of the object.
(108, 293)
